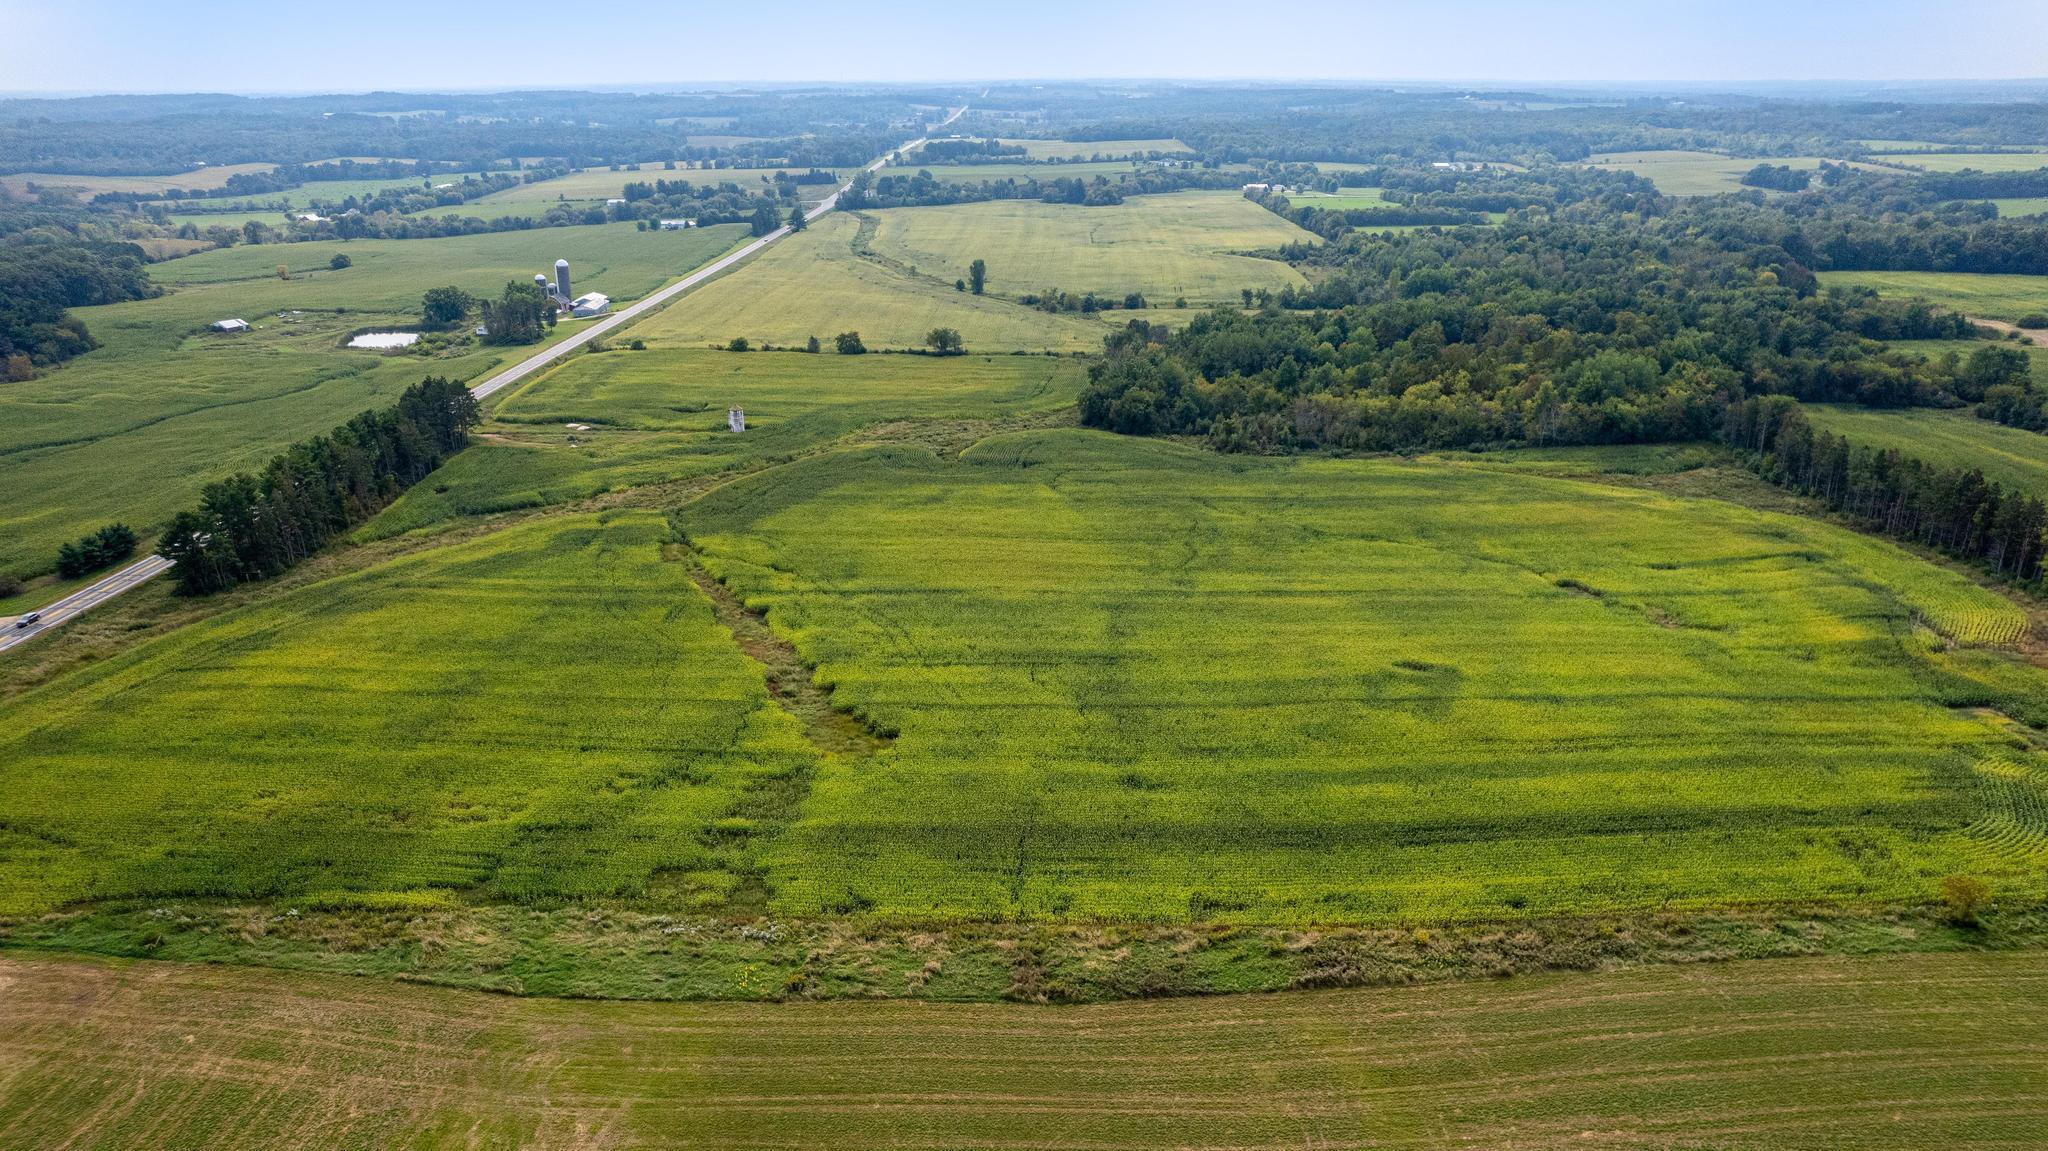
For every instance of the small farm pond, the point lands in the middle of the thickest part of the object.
(383, 340)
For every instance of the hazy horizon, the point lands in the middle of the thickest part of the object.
(123, 46)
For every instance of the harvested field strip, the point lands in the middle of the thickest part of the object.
(1915, 1051)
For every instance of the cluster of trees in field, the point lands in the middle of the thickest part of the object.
(924, 189)
(253, 527)
(1542, 332)
(1955, 510)
(102, 549)
(46, 271)
(1778, 178)
(1058, 300)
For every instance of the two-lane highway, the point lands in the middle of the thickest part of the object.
(86, 598)
(146, 569)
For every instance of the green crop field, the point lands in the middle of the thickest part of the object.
(1183, 244)
(2034, 206)
(659, 415)
(132, 430)
(824, 282)
(1994, 297)
(546, 710)
(2009, 456)
(1917, 1051)
(1083, 149)
(1123, 679)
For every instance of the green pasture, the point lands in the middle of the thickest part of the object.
(1991, 296)
(1134, 680)
(132, 430)
(2012, 457)
(1348, 199)
(1186, 244)
(1981, 161)
(1775, 1055)
(2027, 206)
(660, 415)
(826, 281)
(1681, 173)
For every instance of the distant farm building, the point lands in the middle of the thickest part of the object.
(590, 304)
(736, 419)
(677, 225)
(229, 325)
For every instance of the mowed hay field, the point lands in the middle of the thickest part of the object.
(659, 415)
(1906, 1052)
(1138, 681)
(1980, 161)
(133, 430)
(593, 186)
(1679, 173)
(2008, 456)
(1183, 244)
(1991, 296)
(197, 180)
(547, 711)
(824, 281)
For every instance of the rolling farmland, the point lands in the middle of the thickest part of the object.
(1679, 173)
(1912, 1051)
(1181, 244)
(1184, 714)
(821, 283)
(657, 416)
(133, 430)
(1083, 149)
(547, 710)
(592, 187)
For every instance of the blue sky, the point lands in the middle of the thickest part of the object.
(240, 45)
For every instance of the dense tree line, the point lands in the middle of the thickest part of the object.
(45, 272)
(1540, 332)
(957, 151)
(253, 527)
(1955, 510)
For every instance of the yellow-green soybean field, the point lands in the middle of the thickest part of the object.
(1134, 681)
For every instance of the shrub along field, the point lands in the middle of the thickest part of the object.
(824, 282)
(133, 430)
(1140, 681)
(659, 415)
(1915, 1051)
(2009, 456)
(1181, 244)
(1987, 295)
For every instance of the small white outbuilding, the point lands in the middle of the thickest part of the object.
(229, 325)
